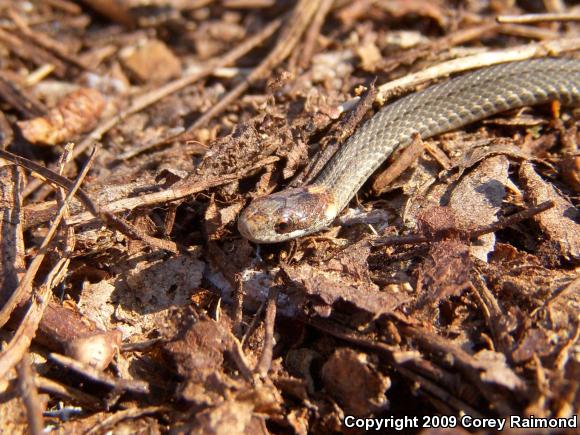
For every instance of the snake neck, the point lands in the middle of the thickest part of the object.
(344, 177)
(444, 107)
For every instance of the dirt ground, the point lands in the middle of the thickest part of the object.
(444, 300)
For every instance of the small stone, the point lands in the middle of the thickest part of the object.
(151, 62)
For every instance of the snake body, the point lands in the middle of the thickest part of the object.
(440, 108)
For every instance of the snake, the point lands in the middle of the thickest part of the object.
(300, 211)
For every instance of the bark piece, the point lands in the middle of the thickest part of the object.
(559, 224)
(445, 271)
(197, 355)
(344, 279)
(355, 383)
(12, 261)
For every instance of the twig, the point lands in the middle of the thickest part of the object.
(152, 97)
(70, 241)
(538, 18)
(443, 44)
(529, 32)
(238, 306)
(407, 157)
(32, 52)
(237, 354)
(492, 313)
(314, 32)
(119, 416)
(268, 349)
(83, 399)
(26, 282)
(34, 316)
(469, 233)
(108, 218)
(563, 356)
(20, 342)
(467, 364)
(521, 52)
(442, 393)
(179, 190)
(46, 174)
(410, 239)
(119, 385)
(44, 40)
(390, 353)
(254, 323)
(512, 219)
(339, 133)
(140, 346)
(29, 395)
(12, 253)
(571, 288)
(289, 37)
(20, 100)
(66, 6)
(248, 4)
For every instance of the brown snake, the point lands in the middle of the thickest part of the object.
(471, 97)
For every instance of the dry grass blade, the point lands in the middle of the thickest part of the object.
(266, 359)
(119, 416)
(29, 395)
(538, 18)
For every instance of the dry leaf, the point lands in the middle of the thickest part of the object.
(77, 113)
(559, 223)
(477, 199)
(355, 383)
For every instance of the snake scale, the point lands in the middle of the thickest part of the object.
(440, 108)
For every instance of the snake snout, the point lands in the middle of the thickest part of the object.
(288, 214)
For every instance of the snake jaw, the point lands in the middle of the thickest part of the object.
(287, 215)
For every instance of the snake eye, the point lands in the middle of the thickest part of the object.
(282, 227)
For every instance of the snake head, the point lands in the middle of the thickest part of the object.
(288, 214)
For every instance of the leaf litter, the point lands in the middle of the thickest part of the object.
(453, 289)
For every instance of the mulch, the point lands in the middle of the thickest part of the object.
(134, 133)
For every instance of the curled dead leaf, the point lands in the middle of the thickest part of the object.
(77, 113)
(96, 350)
